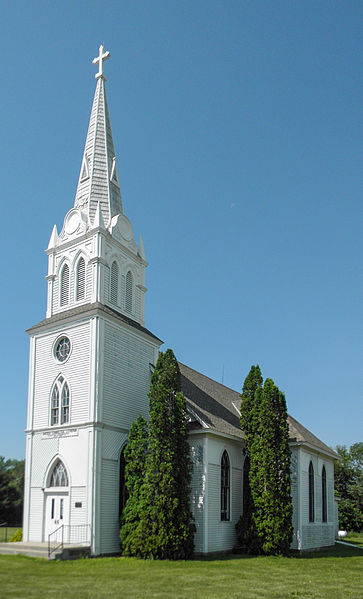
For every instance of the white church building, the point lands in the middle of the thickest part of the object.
(90, 367)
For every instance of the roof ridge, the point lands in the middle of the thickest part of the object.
(209, 378)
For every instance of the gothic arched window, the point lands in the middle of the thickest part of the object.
(323, 495)
(114, 283)
(311, 492)
(129, 291)
(59, 409)
(81, 279)
(64, 285)
(225, 486)
(59, 477)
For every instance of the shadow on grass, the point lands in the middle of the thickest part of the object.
(335, 551)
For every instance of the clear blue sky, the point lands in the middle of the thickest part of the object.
(237, 131)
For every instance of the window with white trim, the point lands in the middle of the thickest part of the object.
(323, 495)
(129, 291)
(59, 403)
(311, 493)
(64, 285)
(114, 283)
(59, 477)
(81, 280)
(225, 487)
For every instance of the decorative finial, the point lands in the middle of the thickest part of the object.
(99, 59)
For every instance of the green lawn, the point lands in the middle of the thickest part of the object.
(355, 537)
(329, 574)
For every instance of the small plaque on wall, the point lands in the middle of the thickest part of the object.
(78, 504)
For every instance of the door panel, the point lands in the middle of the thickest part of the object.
(56, 514)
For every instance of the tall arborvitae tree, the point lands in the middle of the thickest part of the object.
(135, 462)
(270, 472)
(166, 530)
(246, 532)
(266, 524)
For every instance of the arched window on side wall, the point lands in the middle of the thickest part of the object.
(323, 495)
(59, 477)
(311, 492)
(114, 283)
(225, 487)
(81, 280)
(64, 285)
(129, 291)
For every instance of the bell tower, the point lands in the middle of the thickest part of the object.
(90, 357)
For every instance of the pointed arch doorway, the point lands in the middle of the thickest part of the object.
(56, 499)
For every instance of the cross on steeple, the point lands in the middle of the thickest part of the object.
(99, 59)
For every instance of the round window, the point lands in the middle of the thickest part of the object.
(62, 349)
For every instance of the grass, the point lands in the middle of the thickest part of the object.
(354, 537)
(329, 574)
(6, 532)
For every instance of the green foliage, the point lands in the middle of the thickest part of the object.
(348, 475)
(11, 490)
(266, 526)
(164, 529)
(246, 530)
(17, 536)
(270, 472)
(135, 462)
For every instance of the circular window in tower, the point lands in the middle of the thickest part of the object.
(62, 349)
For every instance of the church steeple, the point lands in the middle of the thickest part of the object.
(98, 180)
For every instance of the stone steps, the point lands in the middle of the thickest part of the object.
(41, 550)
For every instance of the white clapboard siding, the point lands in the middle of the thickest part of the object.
(126, 376)
(78, 515)
(221, 535)
(76, 370)
(109, 513)
(36, 511)
(236, 494)
(44, 451)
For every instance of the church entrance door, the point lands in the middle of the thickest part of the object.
(56, 514)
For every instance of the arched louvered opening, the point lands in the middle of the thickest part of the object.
(81, 280)
(114, 283)
(323, 495)
(311, 492)
(60, 399)
(59, 476)
(129, 291)
(225, 487)
(64, 285)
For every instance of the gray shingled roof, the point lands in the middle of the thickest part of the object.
(217, 407)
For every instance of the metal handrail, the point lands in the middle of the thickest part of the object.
(50, 551)
(76, 534)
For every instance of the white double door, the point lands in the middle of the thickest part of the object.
(56, 514)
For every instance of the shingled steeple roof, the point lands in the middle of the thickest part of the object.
(98, 180)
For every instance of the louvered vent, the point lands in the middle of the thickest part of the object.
(114, 283)
(64, 286)
(81, 279)
(128, 297)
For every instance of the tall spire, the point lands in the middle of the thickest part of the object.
(98, 180)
